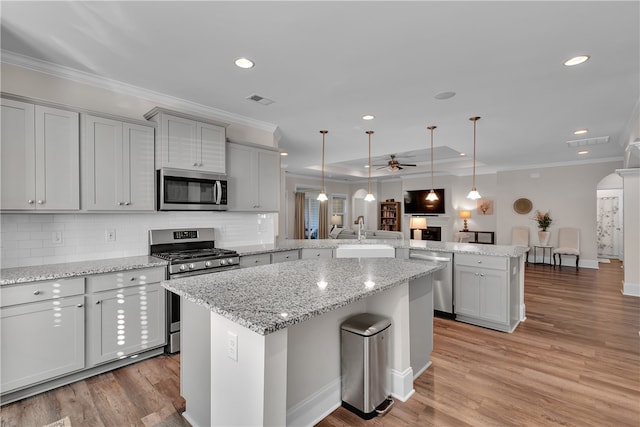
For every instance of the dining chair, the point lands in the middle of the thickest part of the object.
(568, 244)
(520, 237)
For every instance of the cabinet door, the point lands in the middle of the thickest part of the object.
(125, 321)
(57, 159)
(268, 181)
(41, 341)
(208, 150)
(101, 163)
(178, 136)
(17, 152)
(323, 253)
(493, 295)
(138, 169)
(255, 260)
(241, 188)
(466, 291)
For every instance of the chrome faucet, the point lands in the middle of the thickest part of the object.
(360, 225)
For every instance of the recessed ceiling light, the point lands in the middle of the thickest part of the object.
(583, 152)
(445, 95)
(368, 117)
(244, 63)
(462, 154)
(576, 60)
(284, 153)
(580, 131)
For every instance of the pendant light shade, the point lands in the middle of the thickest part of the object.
(473, 194)
(432, 196)
(369, 197)
(322, 197)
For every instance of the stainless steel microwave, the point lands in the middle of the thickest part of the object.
(187, 190)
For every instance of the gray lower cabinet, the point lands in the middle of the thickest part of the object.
(484, 291)
(255, 260)
(43, 332)
(126, 314)
(285, 256)
(316, 253)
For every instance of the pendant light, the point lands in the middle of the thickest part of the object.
(322, 197)
(473, 194)
(369, 197)
(432, 196)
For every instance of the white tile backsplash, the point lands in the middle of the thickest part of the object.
(27, 239)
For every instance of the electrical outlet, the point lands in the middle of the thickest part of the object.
(110, 235)
(56, 237)
(232, 346)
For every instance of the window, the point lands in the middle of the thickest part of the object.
(311, 211)
(338, 210)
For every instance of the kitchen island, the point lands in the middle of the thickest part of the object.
(261, 345)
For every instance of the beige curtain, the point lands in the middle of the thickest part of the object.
(323, 221)
(298, 225)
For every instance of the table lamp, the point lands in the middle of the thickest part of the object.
(336, 220)
(465, 215)
(418, 223)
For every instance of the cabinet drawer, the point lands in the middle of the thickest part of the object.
(40, 291)
(316, 253)
(481, 261)
(285, 256)
(255, 260)
(123, 279)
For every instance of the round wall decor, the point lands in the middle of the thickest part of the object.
(522, 206)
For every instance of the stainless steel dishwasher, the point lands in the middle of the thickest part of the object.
(442, 281)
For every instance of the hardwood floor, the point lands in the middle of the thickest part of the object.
(575, 361)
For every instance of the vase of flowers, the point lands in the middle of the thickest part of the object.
(544, 221)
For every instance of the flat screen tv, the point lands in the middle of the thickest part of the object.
(415, 202)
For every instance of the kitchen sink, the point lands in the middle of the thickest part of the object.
(364, 250)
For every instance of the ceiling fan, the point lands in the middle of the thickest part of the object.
(393, 164)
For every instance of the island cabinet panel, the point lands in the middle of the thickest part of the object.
(126, 319)
(118, 169)
(255, 260)
(316, 253)
(482, 290)
(52, 325)
(253, 178)
(40, 151)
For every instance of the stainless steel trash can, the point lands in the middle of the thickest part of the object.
(364, 361)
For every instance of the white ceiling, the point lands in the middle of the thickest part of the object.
(325, 64)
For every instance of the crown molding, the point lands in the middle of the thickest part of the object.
(67, 73)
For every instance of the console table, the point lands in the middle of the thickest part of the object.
(544, 250)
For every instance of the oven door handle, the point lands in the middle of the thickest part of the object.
(217, 192)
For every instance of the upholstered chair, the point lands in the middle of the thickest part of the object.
(568, 244)
(520, 237)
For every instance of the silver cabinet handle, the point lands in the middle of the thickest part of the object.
(41, 202)
(133, 279)
(120, 203)
(481, 274)
(195, 164)
(36, 292)
(127, 203)
(97, 302)
(79, 305)
(30, 201)
(479, 262)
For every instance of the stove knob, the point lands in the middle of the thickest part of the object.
(208, 264)
(231, 261)
(183, 267)
(192, 266)
(223, 262)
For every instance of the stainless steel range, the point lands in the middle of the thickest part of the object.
(190, 251)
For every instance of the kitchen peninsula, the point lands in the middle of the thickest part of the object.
(261, 345)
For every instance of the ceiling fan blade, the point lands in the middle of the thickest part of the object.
(382, 167)
(399, 167)
(406, 164)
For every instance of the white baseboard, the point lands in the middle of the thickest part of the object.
(402, 384)
(631, 289)
(187, 417)
(317, 406)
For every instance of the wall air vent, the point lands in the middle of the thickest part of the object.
(589, 141)
(260, 99)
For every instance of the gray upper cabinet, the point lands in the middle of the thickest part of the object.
(117, 165)
(40, 151)
(185, 142)
(253, 178)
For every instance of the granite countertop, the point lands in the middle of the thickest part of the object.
(426, 245)
(271, 297)
(34, 273)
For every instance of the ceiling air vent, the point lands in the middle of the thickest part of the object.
(260, 99)
(589, 141)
